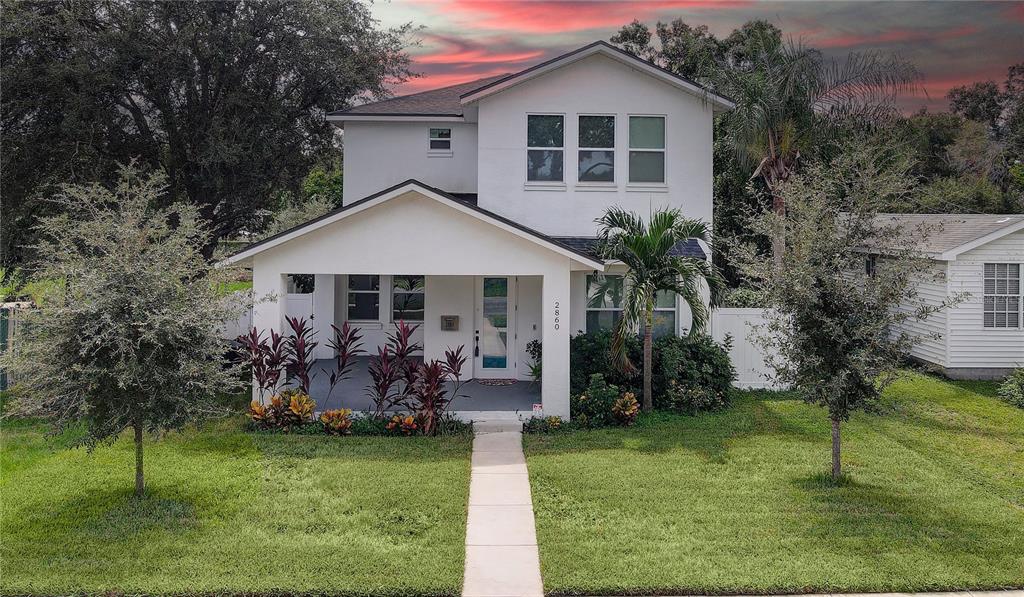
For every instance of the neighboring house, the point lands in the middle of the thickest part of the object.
(470, 209)
(981, 256)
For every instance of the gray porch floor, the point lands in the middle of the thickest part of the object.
(352, 393)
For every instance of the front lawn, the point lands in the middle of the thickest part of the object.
(230, 511)
(740, 501)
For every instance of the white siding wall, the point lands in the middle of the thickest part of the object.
(931, 290)
(595, 85)
(970, 343)
(528, 320)
(379, 155)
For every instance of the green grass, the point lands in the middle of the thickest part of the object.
(740, 501)
(230, 511)
(235, 286)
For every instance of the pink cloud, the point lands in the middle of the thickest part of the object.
(564, 16)
(439, 80)
(451, 50)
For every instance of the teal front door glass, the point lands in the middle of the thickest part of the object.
(494, 332)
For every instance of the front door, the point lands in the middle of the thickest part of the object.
(494, 337)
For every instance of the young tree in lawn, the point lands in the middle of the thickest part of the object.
(646, 248)
(834, 330)
(130, 341)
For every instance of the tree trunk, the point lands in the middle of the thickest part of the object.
(648, 404)
(139, 484)
(837, 466)
(779, 238)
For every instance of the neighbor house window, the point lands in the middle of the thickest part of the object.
(604, 302)
(597, 149)
(664, 314)
(545, 145)
(407, 298)
(440, 139)
(647, 149)
(1002, 295)
(363, 298)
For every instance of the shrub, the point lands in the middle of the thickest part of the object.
(691, 362)
(593, 408)
(369, 426)
(691, 399)
(743, 298)
(337, 422)
(291, 408)
(544, 424)
(1012, 388)
(625, 409)
(404, 424)
(536, 351)
(588, 354)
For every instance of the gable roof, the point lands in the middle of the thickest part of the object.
(589, 244)
(443, 101)
(719, 102)
(948, 235)
(450, 102)
(399, 189)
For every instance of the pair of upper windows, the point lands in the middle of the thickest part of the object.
(595, 149)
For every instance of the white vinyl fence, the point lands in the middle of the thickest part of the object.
(242, 325)
(747, 356)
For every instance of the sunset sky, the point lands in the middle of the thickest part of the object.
(952, 43)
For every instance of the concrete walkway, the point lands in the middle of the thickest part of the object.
(501, 541)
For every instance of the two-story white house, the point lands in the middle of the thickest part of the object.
(471, 210)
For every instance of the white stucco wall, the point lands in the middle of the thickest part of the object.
(595, 85)
(379, 155)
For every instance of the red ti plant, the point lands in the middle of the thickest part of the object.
(384, 374)
(347, 346)
(430, 395)
(299, 353)
(403, 347)
(266, 359)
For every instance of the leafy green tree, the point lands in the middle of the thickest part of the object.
(131, 340)
(981, 101)
(325, 184)
(791, 103)
(835, 331)
(227, 97)
(646, 250)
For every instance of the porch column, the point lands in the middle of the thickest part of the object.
(323, 314)
(269, 290)
(555, 355)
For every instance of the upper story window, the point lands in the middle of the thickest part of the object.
(597, 149)
(407, 302)
(363, 298)
(440, 140)
(1002, 300)
(545, 146)
(647, 149)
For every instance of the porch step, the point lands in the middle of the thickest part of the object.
(497, 425)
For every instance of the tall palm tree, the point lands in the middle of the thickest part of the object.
(646, 249)
(792, 102)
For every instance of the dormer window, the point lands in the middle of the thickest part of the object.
(545, 146)
(647, 149)
(597, 149)
(440, 141)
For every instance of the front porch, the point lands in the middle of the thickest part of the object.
(514, 400)
(466, 276)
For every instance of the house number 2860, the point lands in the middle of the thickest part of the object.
(558, 313)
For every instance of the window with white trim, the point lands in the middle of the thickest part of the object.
(647, 149)
(604, 302)
(407, 298)
(1002, 299)
(363, 298)
(664, 314)
(545, 146)
(440, 140)
(596, 148)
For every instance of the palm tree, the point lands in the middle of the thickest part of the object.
(646, 249)
(791, 102)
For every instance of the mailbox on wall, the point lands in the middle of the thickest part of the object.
(449, 323)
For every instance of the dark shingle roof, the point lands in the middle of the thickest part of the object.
(435, 102)
(588, 244)
(939, 233)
